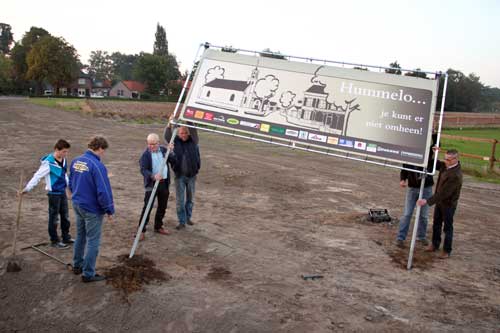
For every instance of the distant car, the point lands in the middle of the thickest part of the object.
(96, 96)
(47, 92)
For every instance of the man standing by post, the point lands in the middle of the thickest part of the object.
(151, 164)
(53, 168)
(92, 198)
(445, 197)
(186, 164)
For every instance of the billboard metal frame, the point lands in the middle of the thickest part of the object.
(299, 146)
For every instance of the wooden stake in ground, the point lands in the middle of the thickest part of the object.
(13, 265)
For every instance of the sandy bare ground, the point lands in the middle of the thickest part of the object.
(265, 214)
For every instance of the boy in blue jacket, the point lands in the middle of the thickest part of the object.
(53, 169)
(92, 199)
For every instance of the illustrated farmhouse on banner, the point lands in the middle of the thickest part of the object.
(313, 111)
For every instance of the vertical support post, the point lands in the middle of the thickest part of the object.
(417, 220)
(440, 120)
(492, 157)
(164, 163)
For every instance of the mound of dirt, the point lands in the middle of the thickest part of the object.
(132, 273)
(421, 259)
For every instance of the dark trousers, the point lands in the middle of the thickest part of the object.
(58, 207)
(443, 214)
(161, 195)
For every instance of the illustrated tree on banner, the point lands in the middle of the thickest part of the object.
(216, 72)
(286, 100)
(265, 89)
(338, 115)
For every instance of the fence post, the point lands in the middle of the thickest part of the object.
(492, 158)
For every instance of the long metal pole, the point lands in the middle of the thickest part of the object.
(415, 225)
(164, 163)
(436, 154)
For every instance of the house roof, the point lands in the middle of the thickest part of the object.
(101, 84)
(317, 89)
(228, 84)
(135, 86)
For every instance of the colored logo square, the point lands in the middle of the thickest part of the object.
(265, 127)
(199, 114)
(277, 130)
(333, 140)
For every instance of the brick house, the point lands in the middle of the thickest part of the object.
(81, 87)
(127, 89)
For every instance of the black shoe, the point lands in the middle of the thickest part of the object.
(60, 245)
(180, 226)
(400, 243)
(189, 222)
(95, 278)
(77, 270)
(68, 241)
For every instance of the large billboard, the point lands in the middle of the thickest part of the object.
(374, 114)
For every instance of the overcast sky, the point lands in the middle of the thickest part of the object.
(432, 35)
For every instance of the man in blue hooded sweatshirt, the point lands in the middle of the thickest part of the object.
(53, 169)
(92, 199)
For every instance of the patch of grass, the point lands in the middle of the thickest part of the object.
(70, 104)
(477, 168)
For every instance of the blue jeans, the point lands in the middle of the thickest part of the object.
(411, 200)
(184, 191)
(58, 208)
(88, 239)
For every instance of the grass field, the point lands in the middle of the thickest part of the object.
(70, 104)
(475, 167)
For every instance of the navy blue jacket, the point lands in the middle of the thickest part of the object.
(189, 150)
(146, 165)
(89, 184)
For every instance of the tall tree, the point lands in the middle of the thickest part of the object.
(20, 51)
(156, 71)
(395, 68)
(54, 60)
(160, 47)
(123, 66)
(100, 65)
(6, 38)
(6, 75)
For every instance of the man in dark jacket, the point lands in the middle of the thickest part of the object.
(150, 164)
(185, 163)
(445, 197)
(92, 199)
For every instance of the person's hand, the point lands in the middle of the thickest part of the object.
(402, 183)
(171, 146)
(158, 177)
(20, 193)
(422, 202)
(436, 149)
(110, 218)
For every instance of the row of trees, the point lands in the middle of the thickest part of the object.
(40, 58)
(464, 93)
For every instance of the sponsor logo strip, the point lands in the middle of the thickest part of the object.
(317, 137)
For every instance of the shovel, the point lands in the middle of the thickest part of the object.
(13, 265)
